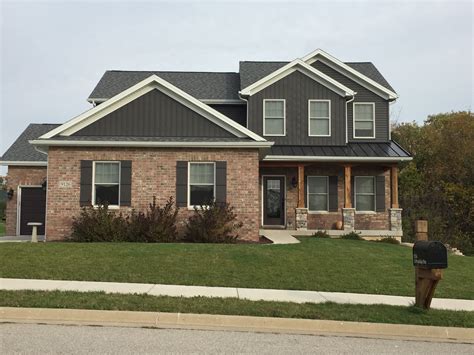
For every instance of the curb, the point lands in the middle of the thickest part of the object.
(234, 323)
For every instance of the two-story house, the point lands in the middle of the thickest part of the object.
(297, 145)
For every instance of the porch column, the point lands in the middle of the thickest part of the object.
(300, 186)
(348, 213)
(394, 180)
(301, 210)
(395, 211)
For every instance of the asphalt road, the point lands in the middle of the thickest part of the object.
(52, 339)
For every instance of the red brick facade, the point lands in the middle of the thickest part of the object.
(18, 176)
(153, 174)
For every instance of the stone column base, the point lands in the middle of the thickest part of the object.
(301, 219)
(348, 218)
(395, 219)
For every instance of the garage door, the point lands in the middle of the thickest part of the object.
(32, 209)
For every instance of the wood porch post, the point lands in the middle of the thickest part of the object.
(347, 186)
(300, 186)
(394, 180)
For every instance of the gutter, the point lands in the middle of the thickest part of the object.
(23, 163)
(335, 159)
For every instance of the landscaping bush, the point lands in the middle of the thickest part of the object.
(216, 223)
(99, 225)
(389, 240)
(156, 224)
(320, 234)
(352, 236)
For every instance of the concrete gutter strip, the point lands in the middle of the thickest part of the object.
(234, 323)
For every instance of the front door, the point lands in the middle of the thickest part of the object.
(32, 209)
(273, 201)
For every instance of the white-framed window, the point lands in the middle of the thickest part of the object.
(201, 183)
(274, 117)
(364, 120)
(319, 118)
(364, 192)
(106, 183)
(317, 193)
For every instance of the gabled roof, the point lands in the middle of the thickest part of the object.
(151, 83)
(23, 153)
(304, 68)
(201, 85)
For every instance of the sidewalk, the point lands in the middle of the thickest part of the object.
(251, 294)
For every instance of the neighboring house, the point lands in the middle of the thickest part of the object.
(298, 145)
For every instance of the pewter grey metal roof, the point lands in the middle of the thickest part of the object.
(201, 85)
(250, 72)
(21, 150)
(380, 150)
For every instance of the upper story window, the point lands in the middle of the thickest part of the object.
(364, 192)
(201, 183)
(319, 118)
(318, 193)
(106, 183)
(364, 120)
(274, 118)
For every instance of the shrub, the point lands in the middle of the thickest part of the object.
(352, 236)
(98, 225)
(321, 234)
(216, 223)
(156, 224)
(389, 240)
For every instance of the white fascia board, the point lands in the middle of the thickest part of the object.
(336, 159)
(79, 143)
(306, 69)
(143, 87)
(23, 163)
(337, 65)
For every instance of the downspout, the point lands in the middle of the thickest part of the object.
(347, 102)
(247, 110)
(389, 122)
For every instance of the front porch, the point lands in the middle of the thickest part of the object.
(330, 202)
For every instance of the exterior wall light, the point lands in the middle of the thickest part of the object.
(10, 194)
(294, 182)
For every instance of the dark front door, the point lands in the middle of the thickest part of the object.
(32, 209)
(273, 201)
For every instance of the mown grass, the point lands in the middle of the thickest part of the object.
(2, 229)
(233, 306)
(314, 264)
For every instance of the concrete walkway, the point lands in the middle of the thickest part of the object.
(280, 236)
(252, 294)
(20, 238)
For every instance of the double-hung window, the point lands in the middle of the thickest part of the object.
(319, 118)
(364, 120)
(106, 184)
(274, 117)
(364, 193)
(201, 183)
(318, 193)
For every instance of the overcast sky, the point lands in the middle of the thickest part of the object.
(53, 54)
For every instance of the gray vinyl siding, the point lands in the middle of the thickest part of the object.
(297, 89)
(154, 115)
(237, 112)
(363, 95)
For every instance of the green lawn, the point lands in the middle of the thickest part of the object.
(233, 306)
(315, 264)
(2, 229)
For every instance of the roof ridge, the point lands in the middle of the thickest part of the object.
(171, 71)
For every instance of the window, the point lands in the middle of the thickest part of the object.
(318, 191)
(364, 193)
(106, 186)
(364, 120)
(201, 184)
(274, 118)
(320, 118)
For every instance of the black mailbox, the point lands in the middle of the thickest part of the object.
(430, 254)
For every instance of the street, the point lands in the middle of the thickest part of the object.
(55, 339)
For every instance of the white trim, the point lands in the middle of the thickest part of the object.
(18, 207)
(335, 158)
(328, 118)
(143, 87)
(284, 117)
(317, 193)
(191, 207)
(304, 68)
(355, 194)
(353, 119)
(93, 181)
(346, 123)
(24, 163)
(67, 143)
(284, 200)
(351, 73)
(222, 102)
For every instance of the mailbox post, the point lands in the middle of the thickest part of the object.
(429, 259)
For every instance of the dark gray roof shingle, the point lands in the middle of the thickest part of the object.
(21, 150)
(201, 85)
(148, 139)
